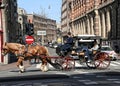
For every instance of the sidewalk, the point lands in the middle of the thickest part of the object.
(12, 66)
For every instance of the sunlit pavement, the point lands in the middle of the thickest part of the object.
(13, 65)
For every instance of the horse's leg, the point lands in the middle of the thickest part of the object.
(35, 60)
(44, 67)
(20, 65)
(30, 60)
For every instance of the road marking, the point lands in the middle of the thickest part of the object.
(118, 82)
(90, 83)
(116, 62)
(100, 76)
(77, 77)
(113, 79)
(84, 80)
(112, 64)
(78, 71)
(60, 73)
(87, 81)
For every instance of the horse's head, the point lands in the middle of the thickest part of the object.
(5, 49)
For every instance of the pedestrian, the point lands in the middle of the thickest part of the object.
(117, 50)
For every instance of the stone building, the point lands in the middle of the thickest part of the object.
(65, 16)
(10, 20)
(43, 24)
(98, 17)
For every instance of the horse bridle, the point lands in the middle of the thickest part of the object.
(5, 51)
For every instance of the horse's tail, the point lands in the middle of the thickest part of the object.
(47, 53)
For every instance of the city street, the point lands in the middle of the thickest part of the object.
(81, 75)
(82, 37)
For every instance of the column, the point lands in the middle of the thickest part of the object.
(91, 29)
(88, 25)
(96, 23)
(108, 27)
(100, 31)
(103, 25)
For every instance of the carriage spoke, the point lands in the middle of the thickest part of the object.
(68, 63)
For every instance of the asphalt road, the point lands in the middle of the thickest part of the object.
(80, 76)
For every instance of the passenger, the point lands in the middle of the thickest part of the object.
(95, 47)
(89, 51)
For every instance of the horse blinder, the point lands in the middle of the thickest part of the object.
(4, 51)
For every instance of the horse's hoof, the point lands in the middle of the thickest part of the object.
(21, 71)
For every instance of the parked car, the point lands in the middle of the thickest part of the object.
(110, 51)
(50, 44)
(54, 45)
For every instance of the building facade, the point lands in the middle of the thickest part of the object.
(43, 24)
(9, 26)
(65, 16)
(22, 20)
(98, 17)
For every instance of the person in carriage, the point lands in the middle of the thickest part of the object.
(68, 44)
(88, 52)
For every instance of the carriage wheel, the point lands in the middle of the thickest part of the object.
(68, 64)
(102, 60)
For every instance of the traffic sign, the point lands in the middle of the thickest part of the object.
(29, 39)
(41, 32)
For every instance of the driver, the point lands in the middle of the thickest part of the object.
(68, 44)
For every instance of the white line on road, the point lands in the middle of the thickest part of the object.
(78, 71)
(116, 62)
(112, 64)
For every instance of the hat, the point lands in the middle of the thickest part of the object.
(69, 33)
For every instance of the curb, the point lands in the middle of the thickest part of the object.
(33, 77)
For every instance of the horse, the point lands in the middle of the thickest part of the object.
(23, 52)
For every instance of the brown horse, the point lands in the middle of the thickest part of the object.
(29, 52)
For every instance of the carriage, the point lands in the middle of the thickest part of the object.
(100, 60)
(66, 60)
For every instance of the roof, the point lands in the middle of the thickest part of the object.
(87, 37)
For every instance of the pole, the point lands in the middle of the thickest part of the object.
(1, 33)
(42, 39)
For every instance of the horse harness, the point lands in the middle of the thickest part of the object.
(22, 54)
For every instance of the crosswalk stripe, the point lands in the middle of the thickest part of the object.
(116, 62)
(78, 64)
(112, 64)
(78, 71)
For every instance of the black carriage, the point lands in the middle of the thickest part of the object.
(100, 60)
